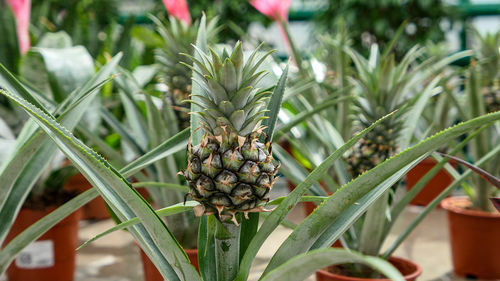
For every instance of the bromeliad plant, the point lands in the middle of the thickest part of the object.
(380, 86)
(473, 104)
(225, 255)
(178, 37)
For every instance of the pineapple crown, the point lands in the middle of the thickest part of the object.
(229, 97)
(177, 38)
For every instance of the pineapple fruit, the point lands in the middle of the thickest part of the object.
(231, 170)
(178, 38)
(381, 88)
(491, 97)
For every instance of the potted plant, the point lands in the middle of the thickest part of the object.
(29, 158)
(473, 221)
(439, 114)
(381, 85)
(166, 114)
(51, 254)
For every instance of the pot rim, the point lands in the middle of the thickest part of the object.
(411, 276)
(448, 205)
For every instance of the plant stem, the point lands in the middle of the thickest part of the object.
(227, 250)
(373, 227)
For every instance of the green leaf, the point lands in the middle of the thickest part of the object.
(415, 113)
(206, 248)
(279, 214)
(348, 217)
(490, 155)
(294, 171)
(305, 115)
(172, 145)
(410, 194)
(11, 250)
(9, 47)
(249, 228)
(304, 265)
(274, 106)
(129, 87)
(34, 149)
(201, 44)
(315, 224)
(163, 212)
(124, 200)
(58, 71)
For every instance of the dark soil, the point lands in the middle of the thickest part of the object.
(354, 270)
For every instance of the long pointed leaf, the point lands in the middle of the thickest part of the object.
(8, 253)
(279, 214)
(116, 191)
(302, 266)
(315, 224)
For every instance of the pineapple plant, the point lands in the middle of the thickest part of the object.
(231, 170)
(178, 38)
(381, 89)
(488, 53)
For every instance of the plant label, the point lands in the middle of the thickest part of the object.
(39, 254)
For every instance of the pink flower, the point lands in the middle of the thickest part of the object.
(21, 10)
(178, 9)
(277, 10)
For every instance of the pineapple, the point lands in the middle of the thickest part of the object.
(381, 86)
(231, 170)
(178, 38)
(491, 96)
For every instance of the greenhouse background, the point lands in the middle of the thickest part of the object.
(234, 140)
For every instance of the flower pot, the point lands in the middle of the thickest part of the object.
(474, 238)
(95, 209)
(409, 269)
(152, 274)
(50, 257)
(433, 188)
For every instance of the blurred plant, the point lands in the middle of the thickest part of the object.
(380, 86)
(86, 21)
(236, 15)
(9, 45)
(33, 153)
(470, 105)
(487, 48)
(381, 19)
(179, 10)
(177, 39)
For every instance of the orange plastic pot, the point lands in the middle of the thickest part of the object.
(474, 238)
(152, 274)
(52, 256)
(408, 269)
(433, 188)
(95, 209)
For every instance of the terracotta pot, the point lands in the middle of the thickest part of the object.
(409, 269)
(474, 238)
(433, 188)
(95, 209)
(152, 274)
(50, 256)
